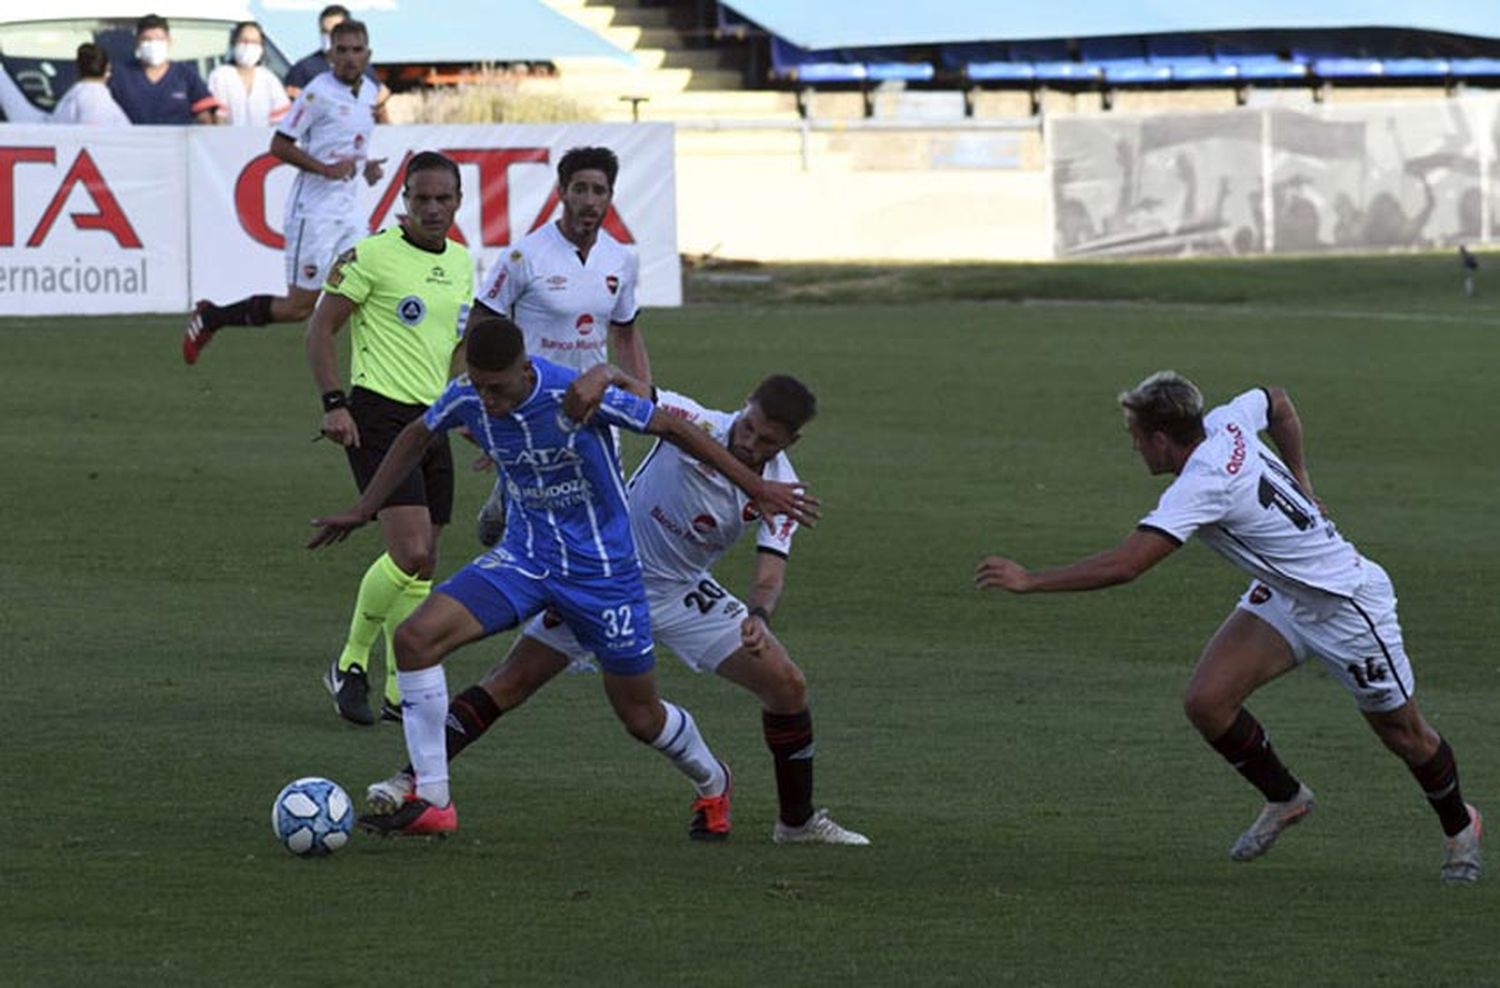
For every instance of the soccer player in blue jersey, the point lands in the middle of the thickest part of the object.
(567, 545)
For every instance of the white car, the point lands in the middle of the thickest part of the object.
(38, 44)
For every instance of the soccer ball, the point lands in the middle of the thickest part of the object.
(312, 816)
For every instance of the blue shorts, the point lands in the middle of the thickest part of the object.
(608, 613)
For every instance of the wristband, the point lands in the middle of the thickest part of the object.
(762, 613)
(334, 399)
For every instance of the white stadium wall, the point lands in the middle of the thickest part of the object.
(147, 219)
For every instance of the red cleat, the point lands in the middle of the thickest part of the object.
(196, 337)
(415, 818)
(711, 817)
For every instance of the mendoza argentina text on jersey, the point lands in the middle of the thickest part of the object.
(566, 509)
(411, 304)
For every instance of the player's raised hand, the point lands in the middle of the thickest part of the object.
(373, 170)
(792, 500)
(339, 426)
(586, 393)
(335, 528)
(997, 572)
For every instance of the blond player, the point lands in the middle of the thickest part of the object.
(1311, 593)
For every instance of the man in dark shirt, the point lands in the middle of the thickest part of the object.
(153, 89)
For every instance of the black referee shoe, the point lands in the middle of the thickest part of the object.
(351, 693)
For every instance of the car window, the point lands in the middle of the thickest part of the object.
(39, 55)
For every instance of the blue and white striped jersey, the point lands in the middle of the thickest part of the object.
(566, 508)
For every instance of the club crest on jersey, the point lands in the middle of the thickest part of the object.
(411, 310)
(612, 283)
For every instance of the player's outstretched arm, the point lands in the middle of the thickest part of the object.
(1140, 551)
(1284, 427)
(772, 498)
(586, 392)
(403, 456)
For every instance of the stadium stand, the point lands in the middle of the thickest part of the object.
(1103, 47)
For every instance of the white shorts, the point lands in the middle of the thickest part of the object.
(1358, 639)
(313, 243)
(697, 619)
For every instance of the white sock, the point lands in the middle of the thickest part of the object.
(425, 696)
(684, 746)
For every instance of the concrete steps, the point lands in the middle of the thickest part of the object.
(679, 79)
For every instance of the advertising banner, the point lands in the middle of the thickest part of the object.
(97, 220)
(92, 220)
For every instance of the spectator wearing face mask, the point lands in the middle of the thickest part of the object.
(248, 92)
(153, 89)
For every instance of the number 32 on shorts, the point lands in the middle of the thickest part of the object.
(617, 622)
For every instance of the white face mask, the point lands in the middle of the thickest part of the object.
(247, 54)
(153, 52)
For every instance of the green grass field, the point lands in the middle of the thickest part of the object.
(1042, 812)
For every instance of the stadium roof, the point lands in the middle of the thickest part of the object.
(868, 23)
(443, 31)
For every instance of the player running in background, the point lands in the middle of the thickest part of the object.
(567, 546)
(1311, 593)
(326, 137)
(684, 515)
(570, 286)
(405, 292)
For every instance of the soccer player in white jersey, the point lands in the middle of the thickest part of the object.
(1310, 593)
(570, 286)
(684, 515)
(326, 137)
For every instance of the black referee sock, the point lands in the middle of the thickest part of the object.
(1438, 777)
(790, 738)
(470, 714)
(252, 311)
(1246, 747)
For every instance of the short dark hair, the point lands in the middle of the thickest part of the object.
(350, 26)
(333, 10)
(149, 22)
(92, 61)
(583, 159)
(494, 343)
(234, 32)
(786, 400)
(431, 161)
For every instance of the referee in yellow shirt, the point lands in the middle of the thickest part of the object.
(405, 292)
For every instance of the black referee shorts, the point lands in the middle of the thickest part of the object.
(380, 420)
